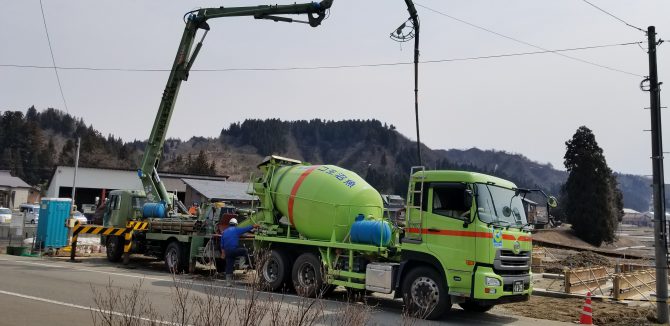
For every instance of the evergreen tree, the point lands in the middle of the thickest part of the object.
(212, 168)
(590, 192)
(67, 154)
(200, 165)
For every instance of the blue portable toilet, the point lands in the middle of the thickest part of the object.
(51, 229)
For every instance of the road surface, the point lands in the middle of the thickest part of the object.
(55, 292)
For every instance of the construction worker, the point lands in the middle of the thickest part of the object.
(193, 210)
(230, 249)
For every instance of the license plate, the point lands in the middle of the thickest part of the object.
(518, 287)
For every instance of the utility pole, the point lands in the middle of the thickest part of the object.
(74, 188)
(660, 227)
(76, 166)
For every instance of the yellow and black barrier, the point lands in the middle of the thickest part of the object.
(126, 232)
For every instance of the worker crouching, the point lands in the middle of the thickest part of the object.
(230, 245)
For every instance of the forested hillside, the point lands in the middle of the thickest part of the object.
(35, 142)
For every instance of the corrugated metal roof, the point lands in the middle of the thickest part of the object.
(7, 180)
(223, 190)
(117, 179)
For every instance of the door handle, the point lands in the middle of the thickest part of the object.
(433, 230)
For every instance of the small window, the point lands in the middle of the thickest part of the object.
(115, 203)
(449, 200)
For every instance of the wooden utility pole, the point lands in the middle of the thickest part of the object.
(660, 227)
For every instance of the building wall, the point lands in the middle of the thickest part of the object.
(13, 197)
(34, 196)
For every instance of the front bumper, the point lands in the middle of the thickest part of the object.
(505, 291)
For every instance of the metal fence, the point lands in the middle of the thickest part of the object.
(14, 233)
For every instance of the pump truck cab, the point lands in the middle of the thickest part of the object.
(465, 240)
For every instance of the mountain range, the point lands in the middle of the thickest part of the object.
(37, 141)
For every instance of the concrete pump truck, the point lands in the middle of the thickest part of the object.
(465, 238)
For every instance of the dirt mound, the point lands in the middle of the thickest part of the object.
(568, 310)
(585, 259)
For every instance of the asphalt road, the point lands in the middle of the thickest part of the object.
(55, 292)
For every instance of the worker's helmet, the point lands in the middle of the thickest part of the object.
(233, 221)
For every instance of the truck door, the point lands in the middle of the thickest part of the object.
(111, 213)
(446, 236)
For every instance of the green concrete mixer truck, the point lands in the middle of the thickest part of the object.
(465, 238)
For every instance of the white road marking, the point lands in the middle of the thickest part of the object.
(71, 305)
(53, 265)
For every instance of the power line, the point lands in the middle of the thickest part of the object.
(324, 67)
(526, 43)
(615, 17)
(53, 60)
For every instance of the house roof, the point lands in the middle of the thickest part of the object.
(222, 190)
(118, 178)
(630, 211)
(7, 180)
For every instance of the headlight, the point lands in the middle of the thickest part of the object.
(491, 281)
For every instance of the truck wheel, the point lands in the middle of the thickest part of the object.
(475, 306)
(114, 249)
(275, 270)
(308, 275)
(175, 260)
(424, 293)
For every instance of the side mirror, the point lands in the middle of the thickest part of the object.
(467, 200)
(507, 211)
(552, 202)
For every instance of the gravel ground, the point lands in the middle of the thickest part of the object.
(568, 310)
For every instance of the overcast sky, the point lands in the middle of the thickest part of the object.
(522, 104)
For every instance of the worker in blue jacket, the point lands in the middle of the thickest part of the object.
(230, 249)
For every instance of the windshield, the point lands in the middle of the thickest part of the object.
(5, 211)
(499, 205)
(138, 202)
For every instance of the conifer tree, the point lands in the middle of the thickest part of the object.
(590, 193)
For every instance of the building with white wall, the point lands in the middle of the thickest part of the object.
(97, 182)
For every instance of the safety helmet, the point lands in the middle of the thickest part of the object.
(233, 221)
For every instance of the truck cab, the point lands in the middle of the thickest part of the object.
(123, 206)
(472, 228)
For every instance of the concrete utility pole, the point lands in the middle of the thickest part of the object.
(76, 166)
(74, 188)
(660, 227)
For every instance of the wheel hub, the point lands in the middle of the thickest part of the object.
(425, 293)
(271, 270)
(171, 258)
(307, 275)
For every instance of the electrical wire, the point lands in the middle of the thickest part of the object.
(372, 65)
(53, 60)
(615, 17)
(526, 43)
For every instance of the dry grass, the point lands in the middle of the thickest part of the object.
(210, 304)
(116, 306)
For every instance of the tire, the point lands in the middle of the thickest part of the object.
(425, 294)
(275, 271)
(307, 276)
(175, 259)
(475, 306)
(114, 248)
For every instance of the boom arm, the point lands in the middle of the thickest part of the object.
(197, 19)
